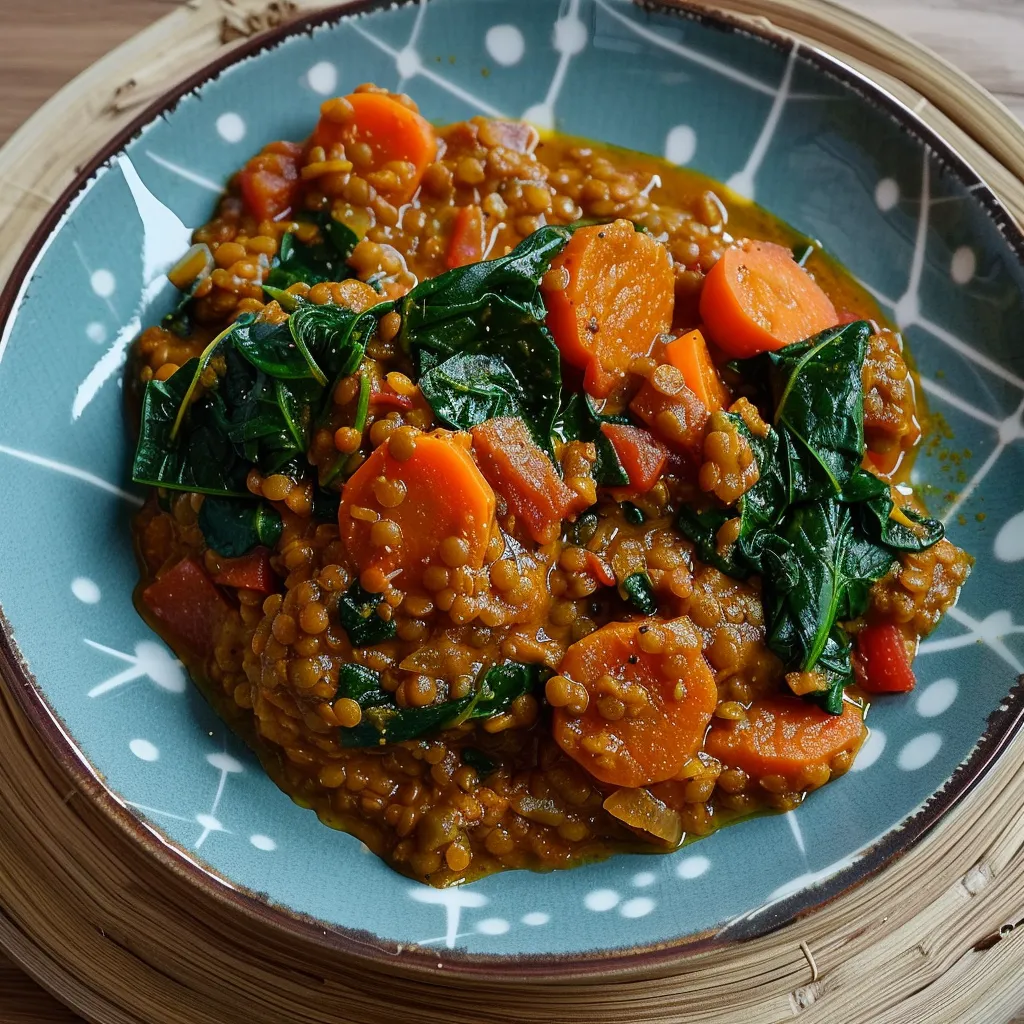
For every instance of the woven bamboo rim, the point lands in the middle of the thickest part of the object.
(85, 910)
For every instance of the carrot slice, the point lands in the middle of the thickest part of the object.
(251, 571)
(440, 494)
(523, 475)
(647, 712)
(186, 601)
(678, 418)
(609, 294)
(887, 667)
(783, 736)
(757, 298)
(689, 354)
(467, 242)
(269, 182)
(642, 457)
(395, 134)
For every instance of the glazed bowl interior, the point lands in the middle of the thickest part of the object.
(787, 127)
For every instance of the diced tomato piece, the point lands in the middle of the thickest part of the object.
(678, 419)
(270, 181)
(249, 572)
(642, 457)
(600, 570)
(885, 661)
(467, 242)
(389, 400)
(523, 475)
(185, 599)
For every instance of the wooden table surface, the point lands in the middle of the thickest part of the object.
(42, 47)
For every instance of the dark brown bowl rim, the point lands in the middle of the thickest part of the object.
(1002, 726)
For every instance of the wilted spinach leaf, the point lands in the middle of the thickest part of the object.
(384, 722)
(819, 399)
(640, 593)
(362, 684)
(233, 526)
(202, 460)
(357, 611)
(478, 761)
(325, 260)
(466, 390)
(272, 349)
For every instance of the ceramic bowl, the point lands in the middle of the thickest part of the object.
(787, 126)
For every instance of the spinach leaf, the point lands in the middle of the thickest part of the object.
(325, 504)
(272, 349)
(465, 390)
(357, 611)
(478, 761)
(361, 684)
(632, 513)
(384, 722)
(819, 399)
(759, 508)
(493, 309)
(335, 336)
(872, 503)
(388, 723)
(232, 526)
(203, 460)
(640, 593)
(817, 570)
(325, 260)
(578, 420)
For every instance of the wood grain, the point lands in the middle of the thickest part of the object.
(43, 45)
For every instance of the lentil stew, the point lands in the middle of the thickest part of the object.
(523, 499)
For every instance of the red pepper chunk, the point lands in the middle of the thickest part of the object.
(523, 475)
(642, 457)
(467, 242)
(188, 603)
(270, 180)
(251, 571)
(886, 663)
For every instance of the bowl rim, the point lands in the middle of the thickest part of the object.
(1002, 725)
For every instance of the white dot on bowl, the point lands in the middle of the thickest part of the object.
(680, 144)
(144, 750)
(1009, 545)
(535, 918)
(570, 36)
(870, 752)
(224, 762)
(887, 194)
(937, 697)
(505, 44)
(103, 283)
(263, 843)
(322, 77)
(85, 590)
(644, 878)
(919, 751)
(407, 62)
(96, 332)
(231, 127)
(639, 906)
(209, 822)
(493, 926)
(692, 867)
(601, 899)
(963, 265)
(541, 114)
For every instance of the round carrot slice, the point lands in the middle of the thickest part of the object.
(394, 133)
(416, 498)
(609, 294)
(651, 696)
(757, 298)
(784, 736)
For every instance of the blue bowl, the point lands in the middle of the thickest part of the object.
(790, 127)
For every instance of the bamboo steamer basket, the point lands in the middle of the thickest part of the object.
(123, 939)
